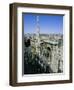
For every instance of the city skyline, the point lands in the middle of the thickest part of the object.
(49, 24)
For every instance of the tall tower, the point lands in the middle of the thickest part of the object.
(37, 26)
(37, 36)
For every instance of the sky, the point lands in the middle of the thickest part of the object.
(49, 24)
